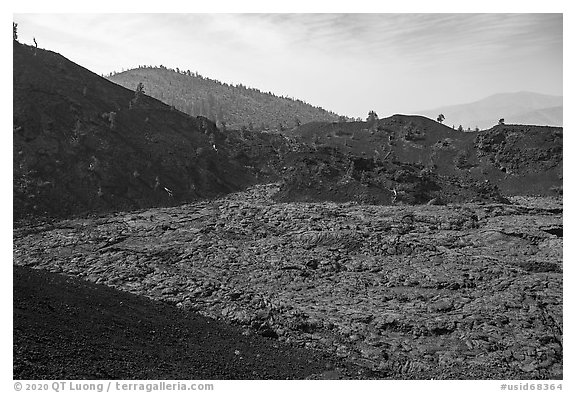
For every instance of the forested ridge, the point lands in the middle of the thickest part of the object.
(230, 106)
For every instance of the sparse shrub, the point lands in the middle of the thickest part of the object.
(212, 140)
(348, 175)
(112, 119)
(413, 134)
(94, 164)
(403, 176)
(462, 159)
(315, 142)
(76, 132)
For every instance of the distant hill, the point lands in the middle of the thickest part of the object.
(515, 108)
(228, 105)
(85, 144)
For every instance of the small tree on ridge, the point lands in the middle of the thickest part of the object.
(137, 95)
(372, 119)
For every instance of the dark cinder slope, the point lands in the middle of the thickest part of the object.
(523, 159)
(402, 138)
(83, 143)
(236, 106)
(518, 159)
(67, 328)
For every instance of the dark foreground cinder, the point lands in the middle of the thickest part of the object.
(67, 328)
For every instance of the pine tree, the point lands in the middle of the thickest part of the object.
(372, 117)
(372, 120)
(137, 95)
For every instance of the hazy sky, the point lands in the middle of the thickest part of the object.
(347, 63)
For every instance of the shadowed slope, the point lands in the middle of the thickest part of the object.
(82, 143)
(519, 159)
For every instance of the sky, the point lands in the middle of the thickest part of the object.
(347, 63)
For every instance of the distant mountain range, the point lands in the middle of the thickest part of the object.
(229, 106)
(514, 108)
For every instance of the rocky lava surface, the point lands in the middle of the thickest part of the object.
(461, 291)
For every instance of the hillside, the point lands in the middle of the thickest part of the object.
(520, 160)
(407, 138)
(228, 105)
(515, 108)
(85, 144)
